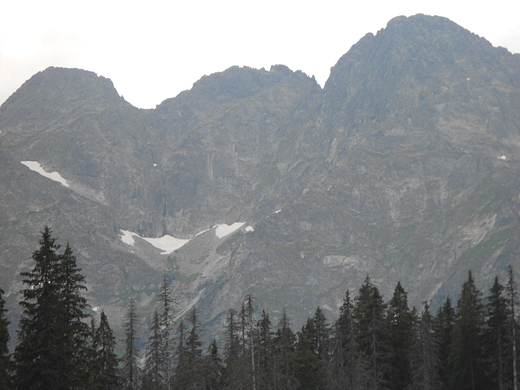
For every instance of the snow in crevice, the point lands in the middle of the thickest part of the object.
(166, 243)
(502, 157)
(202, 232)
(223, 230)
(36, 167)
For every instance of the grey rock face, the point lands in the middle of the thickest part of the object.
(405, 166)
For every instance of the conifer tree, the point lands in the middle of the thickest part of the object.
(283, 359)
(263, 351)
(241, 368)
(189, 355)
(307, 366)
(312, 352)
(52, 337)
(193, 358)
(5, 362)
(424, 355)
(466, 355)
(105, 364)
(152, 375)
(400, 331)
(38, 354)
(248, 330)
(232, 350)
(166, 322)
(212, 368)
(321, 335)
(369, 325)
(346, 366)
(497, 313)
(74, 312)
(442, 329)
(130, 375)
(180, 380)
(512, 298)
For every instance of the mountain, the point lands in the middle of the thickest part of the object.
(404, 166)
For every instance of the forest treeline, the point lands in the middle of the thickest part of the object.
(373, 344)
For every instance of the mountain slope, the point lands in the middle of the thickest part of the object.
(405, 166)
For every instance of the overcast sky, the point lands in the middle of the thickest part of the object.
(154, 49)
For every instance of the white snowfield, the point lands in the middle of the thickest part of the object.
(166, 243)
(169, 243)
(223, 230)
(36, 167)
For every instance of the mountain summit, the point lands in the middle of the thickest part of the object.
(405, 166)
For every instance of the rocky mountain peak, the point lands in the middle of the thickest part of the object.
(62, 87)
(411, 51)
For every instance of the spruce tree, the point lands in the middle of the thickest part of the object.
(211, 369)
(5, 361)
(312, 352)
(283, 355)
(513, 333)
(442, 329)
(400, 332)
(321, 335)
(38, 355)
(308, 369)
(369, 325)
(263, 351)
(193, 360)
(467, 355)
(152, 375)
(240, 352)
(189, 354)
(346, 368)
(105, 362)
(248, 330)
(166, 322)
(74, 313)
(424, 355)
(232, 351)
(497, 313)
(52, 348)
(130, 373)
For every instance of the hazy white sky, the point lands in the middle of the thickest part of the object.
(154, 49)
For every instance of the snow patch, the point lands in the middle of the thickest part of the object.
(277, 211)
(502, 157)
(223, 230)
(36, 167)
(202, 232)
(127, 237)
(166, 243)
(249, 229)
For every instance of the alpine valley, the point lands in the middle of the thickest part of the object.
(405, 167)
